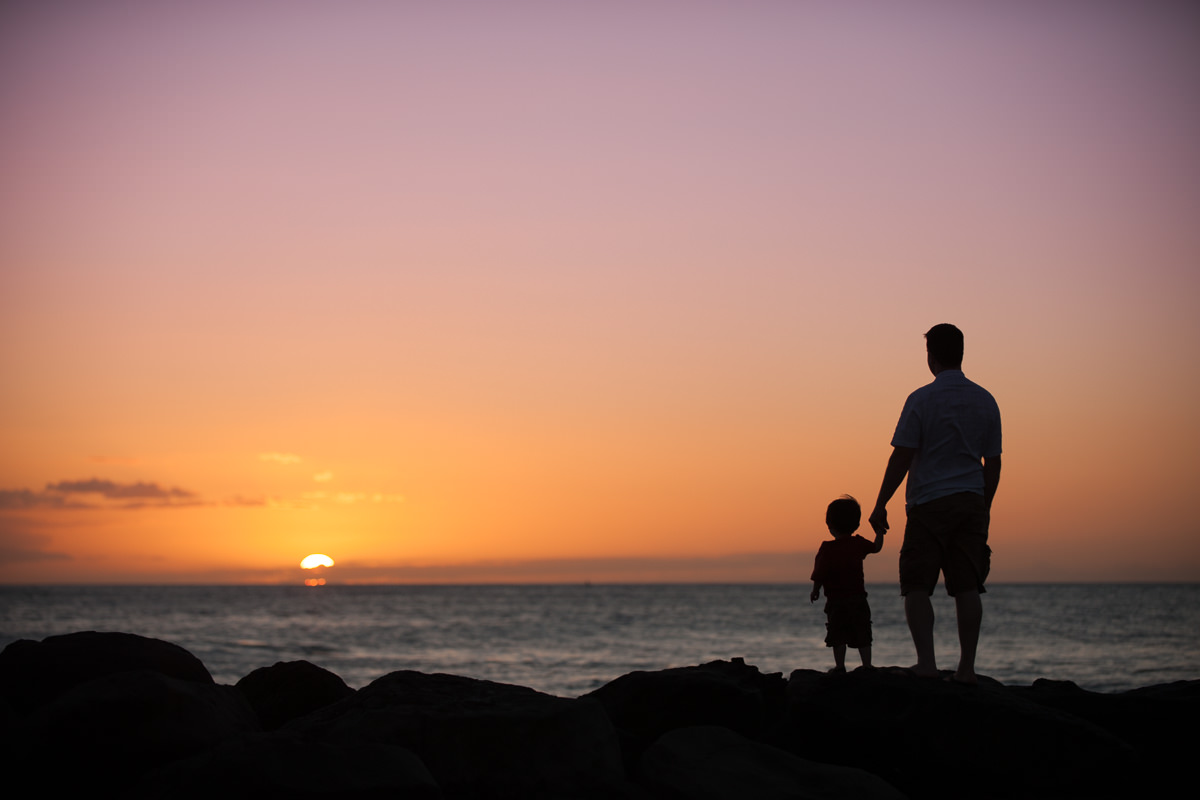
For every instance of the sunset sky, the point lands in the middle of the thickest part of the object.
(566, 291)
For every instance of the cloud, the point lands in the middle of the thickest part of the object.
(323, 477)
(22, 499)
(250, 502)
(100, 493)
(64, 495)
(280, 458)
(117, 491)
(285, 504)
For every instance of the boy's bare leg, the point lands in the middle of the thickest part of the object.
(918, 611)
(865, 654)
(968, 607)
(839, 657)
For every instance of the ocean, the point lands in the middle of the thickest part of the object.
(567, 640)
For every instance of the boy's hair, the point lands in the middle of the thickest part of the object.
(945, 343)
(843, 515)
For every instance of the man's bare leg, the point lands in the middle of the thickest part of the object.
(968, 606)
(918, 611)
(865, 654)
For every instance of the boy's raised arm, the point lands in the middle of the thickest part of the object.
(877, 545)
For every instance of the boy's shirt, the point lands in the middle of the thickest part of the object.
(838, 567)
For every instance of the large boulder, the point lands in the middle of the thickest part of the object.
(290, 689)
(33, 673)
(731, 694)
(713, 763)
(1148, 719)
(104, 733)
(930, 738)
(479, 738)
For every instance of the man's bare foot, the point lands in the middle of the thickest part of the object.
(838, 670)
(966, 678)
(922, 671)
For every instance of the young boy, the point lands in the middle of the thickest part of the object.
(839, 568)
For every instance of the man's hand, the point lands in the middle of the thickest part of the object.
(815, 596)
(878, 520)
(897, 467)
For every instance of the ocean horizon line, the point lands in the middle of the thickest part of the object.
(330, 584)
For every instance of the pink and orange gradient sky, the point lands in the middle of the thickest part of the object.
(614, 291)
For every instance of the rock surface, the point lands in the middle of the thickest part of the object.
(479, 738)
(117, 715)
(645, 705)
(33, 673)
(127, 722)
(291, 689)
(712, 763)
(931, 738)
(281, 764)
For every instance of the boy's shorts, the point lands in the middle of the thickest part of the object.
(848, 622)
(947, 535)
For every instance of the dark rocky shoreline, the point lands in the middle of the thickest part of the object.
(119, 715)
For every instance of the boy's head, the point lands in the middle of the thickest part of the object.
(843, 515)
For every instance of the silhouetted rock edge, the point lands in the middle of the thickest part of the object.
(120, 715)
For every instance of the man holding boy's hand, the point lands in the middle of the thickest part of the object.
(948, 444)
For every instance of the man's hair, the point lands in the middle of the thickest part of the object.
(945, 343)
(843, 515)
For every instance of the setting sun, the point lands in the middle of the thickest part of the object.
(316, 560)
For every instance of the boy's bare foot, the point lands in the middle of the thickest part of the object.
(965, 678)
(837, 670)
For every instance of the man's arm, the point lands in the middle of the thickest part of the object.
(893, 476)
(991, 479)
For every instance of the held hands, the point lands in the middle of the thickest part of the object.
(878, 520)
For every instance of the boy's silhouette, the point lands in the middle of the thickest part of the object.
(839, 569)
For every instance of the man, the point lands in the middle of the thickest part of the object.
(948, 444)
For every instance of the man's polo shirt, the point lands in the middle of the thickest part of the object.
(952, 424)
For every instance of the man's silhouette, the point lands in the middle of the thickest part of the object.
(948, 444)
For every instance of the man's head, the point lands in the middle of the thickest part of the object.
(944, 343)
(843, 515)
